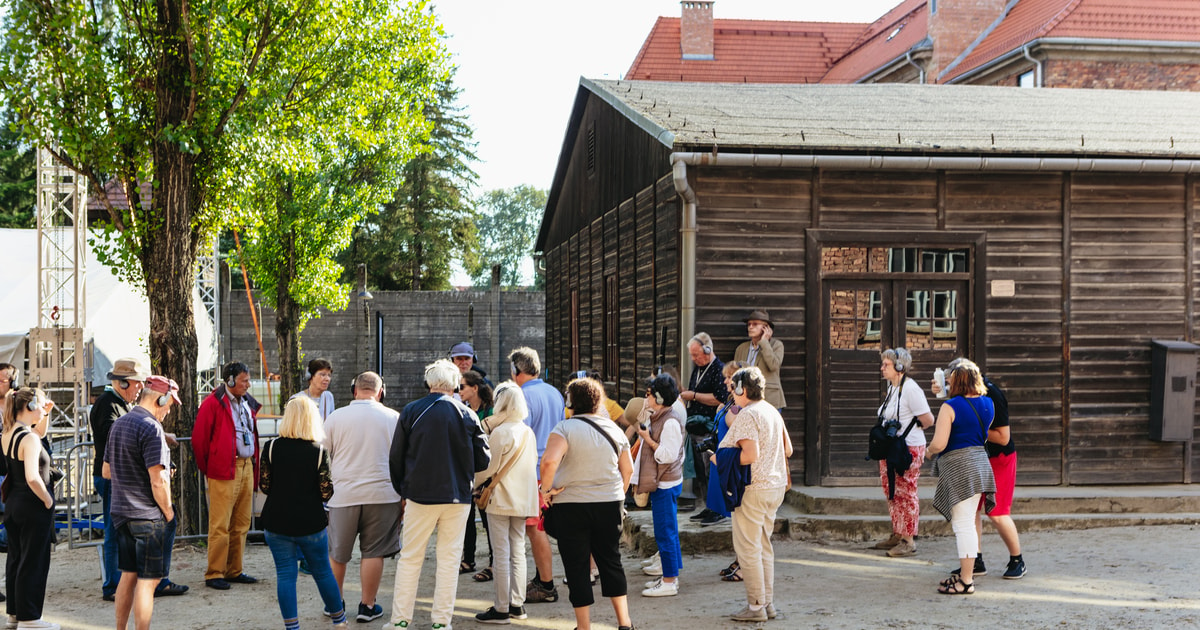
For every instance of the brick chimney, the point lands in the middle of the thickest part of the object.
(954, 25)
(696, 29)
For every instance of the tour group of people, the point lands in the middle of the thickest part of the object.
(534, 462)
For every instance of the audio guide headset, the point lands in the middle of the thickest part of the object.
(739, 379)
(32, 405)
(163, 399)
(123, 383)
(704, 347)
(232, 371)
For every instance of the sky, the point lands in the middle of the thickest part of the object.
(519, 64)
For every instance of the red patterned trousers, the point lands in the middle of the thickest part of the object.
(905, 507)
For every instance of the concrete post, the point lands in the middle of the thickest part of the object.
(500, 371)
(363, 324)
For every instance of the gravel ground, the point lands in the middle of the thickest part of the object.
(1132, 577)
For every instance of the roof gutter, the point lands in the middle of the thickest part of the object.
(1124, 45)
(920, 69)
(1038, 68)
(918, 163)
(687, 266)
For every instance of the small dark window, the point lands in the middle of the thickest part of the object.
(574, 329)
(611, 350)
(932, 6)
(591, 149)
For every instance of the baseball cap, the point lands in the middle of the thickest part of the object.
(164, 385)
(463, 349)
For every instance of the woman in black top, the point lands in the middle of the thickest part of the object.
(29, 506)
(294, 475)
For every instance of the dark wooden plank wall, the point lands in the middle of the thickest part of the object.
(1128, 257)
(643, 332)
(1192, 201)
(1022, 214)
(750, 254)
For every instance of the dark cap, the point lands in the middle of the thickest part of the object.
(164, 385)
(761, 316)
(463, 349)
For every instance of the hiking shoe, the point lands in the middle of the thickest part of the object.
(329, 613)
(1016, 569)
(703, 514)
(369, 614)
(535, 593)
(980, 569)
(903, 549)
(491, 615)
(892, 541)
(654, 569)
(771, 614)
(746, 614)
(662, 589)
(517, 612)
(712, 519)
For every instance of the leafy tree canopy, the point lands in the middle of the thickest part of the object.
(17, 180)
(508, 226)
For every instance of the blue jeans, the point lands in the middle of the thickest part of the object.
(287, 551)
(664, 505)
(112, 574)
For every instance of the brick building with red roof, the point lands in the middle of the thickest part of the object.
(1118, 44)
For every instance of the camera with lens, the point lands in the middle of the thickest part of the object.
(892, 427)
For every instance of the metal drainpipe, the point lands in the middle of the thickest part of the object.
(1037, 66)
(908, 58)
(687, 265)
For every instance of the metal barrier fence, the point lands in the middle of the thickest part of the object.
(80, 511)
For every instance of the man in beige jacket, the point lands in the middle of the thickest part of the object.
(764, 352)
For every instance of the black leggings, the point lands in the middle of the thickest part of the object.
(30, 532)
(590, 529)
(468, 555)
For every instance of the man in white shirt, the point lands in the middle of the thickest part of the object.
(364, 504)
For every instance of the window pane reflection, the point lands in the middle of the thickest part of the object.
(855, 318)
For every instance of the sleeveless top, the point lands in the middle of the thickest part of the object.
(19, 487)
(966, 429)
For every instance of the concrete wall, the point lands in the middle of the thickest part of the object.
(418, 327)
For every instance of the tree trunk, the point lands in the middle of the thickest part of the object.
(168, 256)
(287, 312)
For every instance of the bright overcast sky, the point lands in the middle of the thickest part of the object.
(519, 63)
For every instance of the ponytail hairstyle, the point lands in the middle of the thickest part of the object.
(18, 401)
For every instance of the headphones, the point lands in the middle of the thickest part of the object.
(707, 349)
(567, 399)
(581, 374)
(513, 365)
(32, 404)
(12, 379)
(307, 375)
(738, 379)
(382, 388)
(164, 399)
(658, 398)
(232, 371)
(123, 383)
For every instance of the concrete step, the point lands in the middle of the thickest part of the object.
(866, 519)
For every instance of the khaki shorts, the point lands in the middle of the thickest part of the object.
(376, 525)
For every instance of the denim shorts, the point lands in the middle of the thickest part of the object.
(140, 548)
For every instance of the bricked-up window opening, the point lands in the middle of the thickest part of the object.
(591, 149)
(574, 329)
(611, 311)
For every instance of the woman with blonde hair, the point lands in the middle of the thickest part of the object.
(29, 506)
(512, 477)
(294, 475)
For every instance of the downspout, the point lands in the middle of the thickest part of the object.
(1037, 66)
(920, 69)
(687, 265)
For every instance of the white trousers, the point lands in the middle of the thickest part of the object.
(507, 534)
(450, 520)
(962, 521)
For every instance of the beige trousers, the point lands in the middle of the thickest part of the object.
(753, 523)
(230, 504)
(450, 520)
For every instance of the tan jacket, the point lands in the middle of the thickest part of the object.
(516, 495)
(770, 358)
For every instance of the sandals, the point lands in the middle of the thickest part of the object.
(955, 586)
(484, 575)
(465, 567)
(736, 576)
(731, 569)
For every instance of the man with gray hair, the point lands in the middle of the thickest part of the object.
(364, 504)
(436, 451)
(546, 409)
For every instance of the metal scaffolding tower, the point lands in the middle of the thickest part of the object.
(60, 353)
(209, 285)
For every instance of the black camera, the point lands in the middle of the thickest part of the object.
(892, 427)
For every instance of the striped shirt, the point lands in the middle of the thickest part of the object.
(136, 443)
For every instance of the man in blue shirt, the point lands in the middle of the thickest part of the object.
(137, 462)
(546, 409)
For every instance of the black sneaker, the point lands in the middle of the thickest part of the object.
(712, 519)
(369, 614)
(701, 515)
(491, 615)
(1016, 569)
(517, 612)
(980, 569)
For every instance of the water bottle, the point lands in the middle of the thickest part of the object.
(940, 376)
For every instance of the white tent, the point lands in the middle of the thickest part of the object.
(118, 316)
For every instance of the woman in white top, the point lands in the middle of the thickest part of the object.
(319, 374)
(514, 498)
(905, 401)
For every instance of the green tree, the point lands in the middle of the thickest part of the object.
(430, 220)
(171, 92)
(508, 226)
(17, 180)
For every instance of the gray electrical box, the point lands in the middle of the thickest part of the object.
(1172, 390)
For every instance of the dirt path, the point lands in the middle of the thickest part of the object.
(1140, 577)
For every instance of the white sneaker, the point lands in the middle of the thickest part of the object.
(38, 624)
(651, 583)
(654, 568)
(662, 589)
(392, 626)
(11, 623)
(651, 560)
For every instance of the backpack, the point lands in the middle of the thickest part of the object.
(886, 443)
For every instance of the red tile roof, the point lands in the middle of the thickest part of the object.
(746, 51)
(1157, 20)
(887, 38)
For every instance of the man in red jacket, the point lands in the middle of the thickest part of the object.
(225, 439)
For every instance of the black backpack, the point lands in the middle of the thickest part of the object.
(885, 442)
